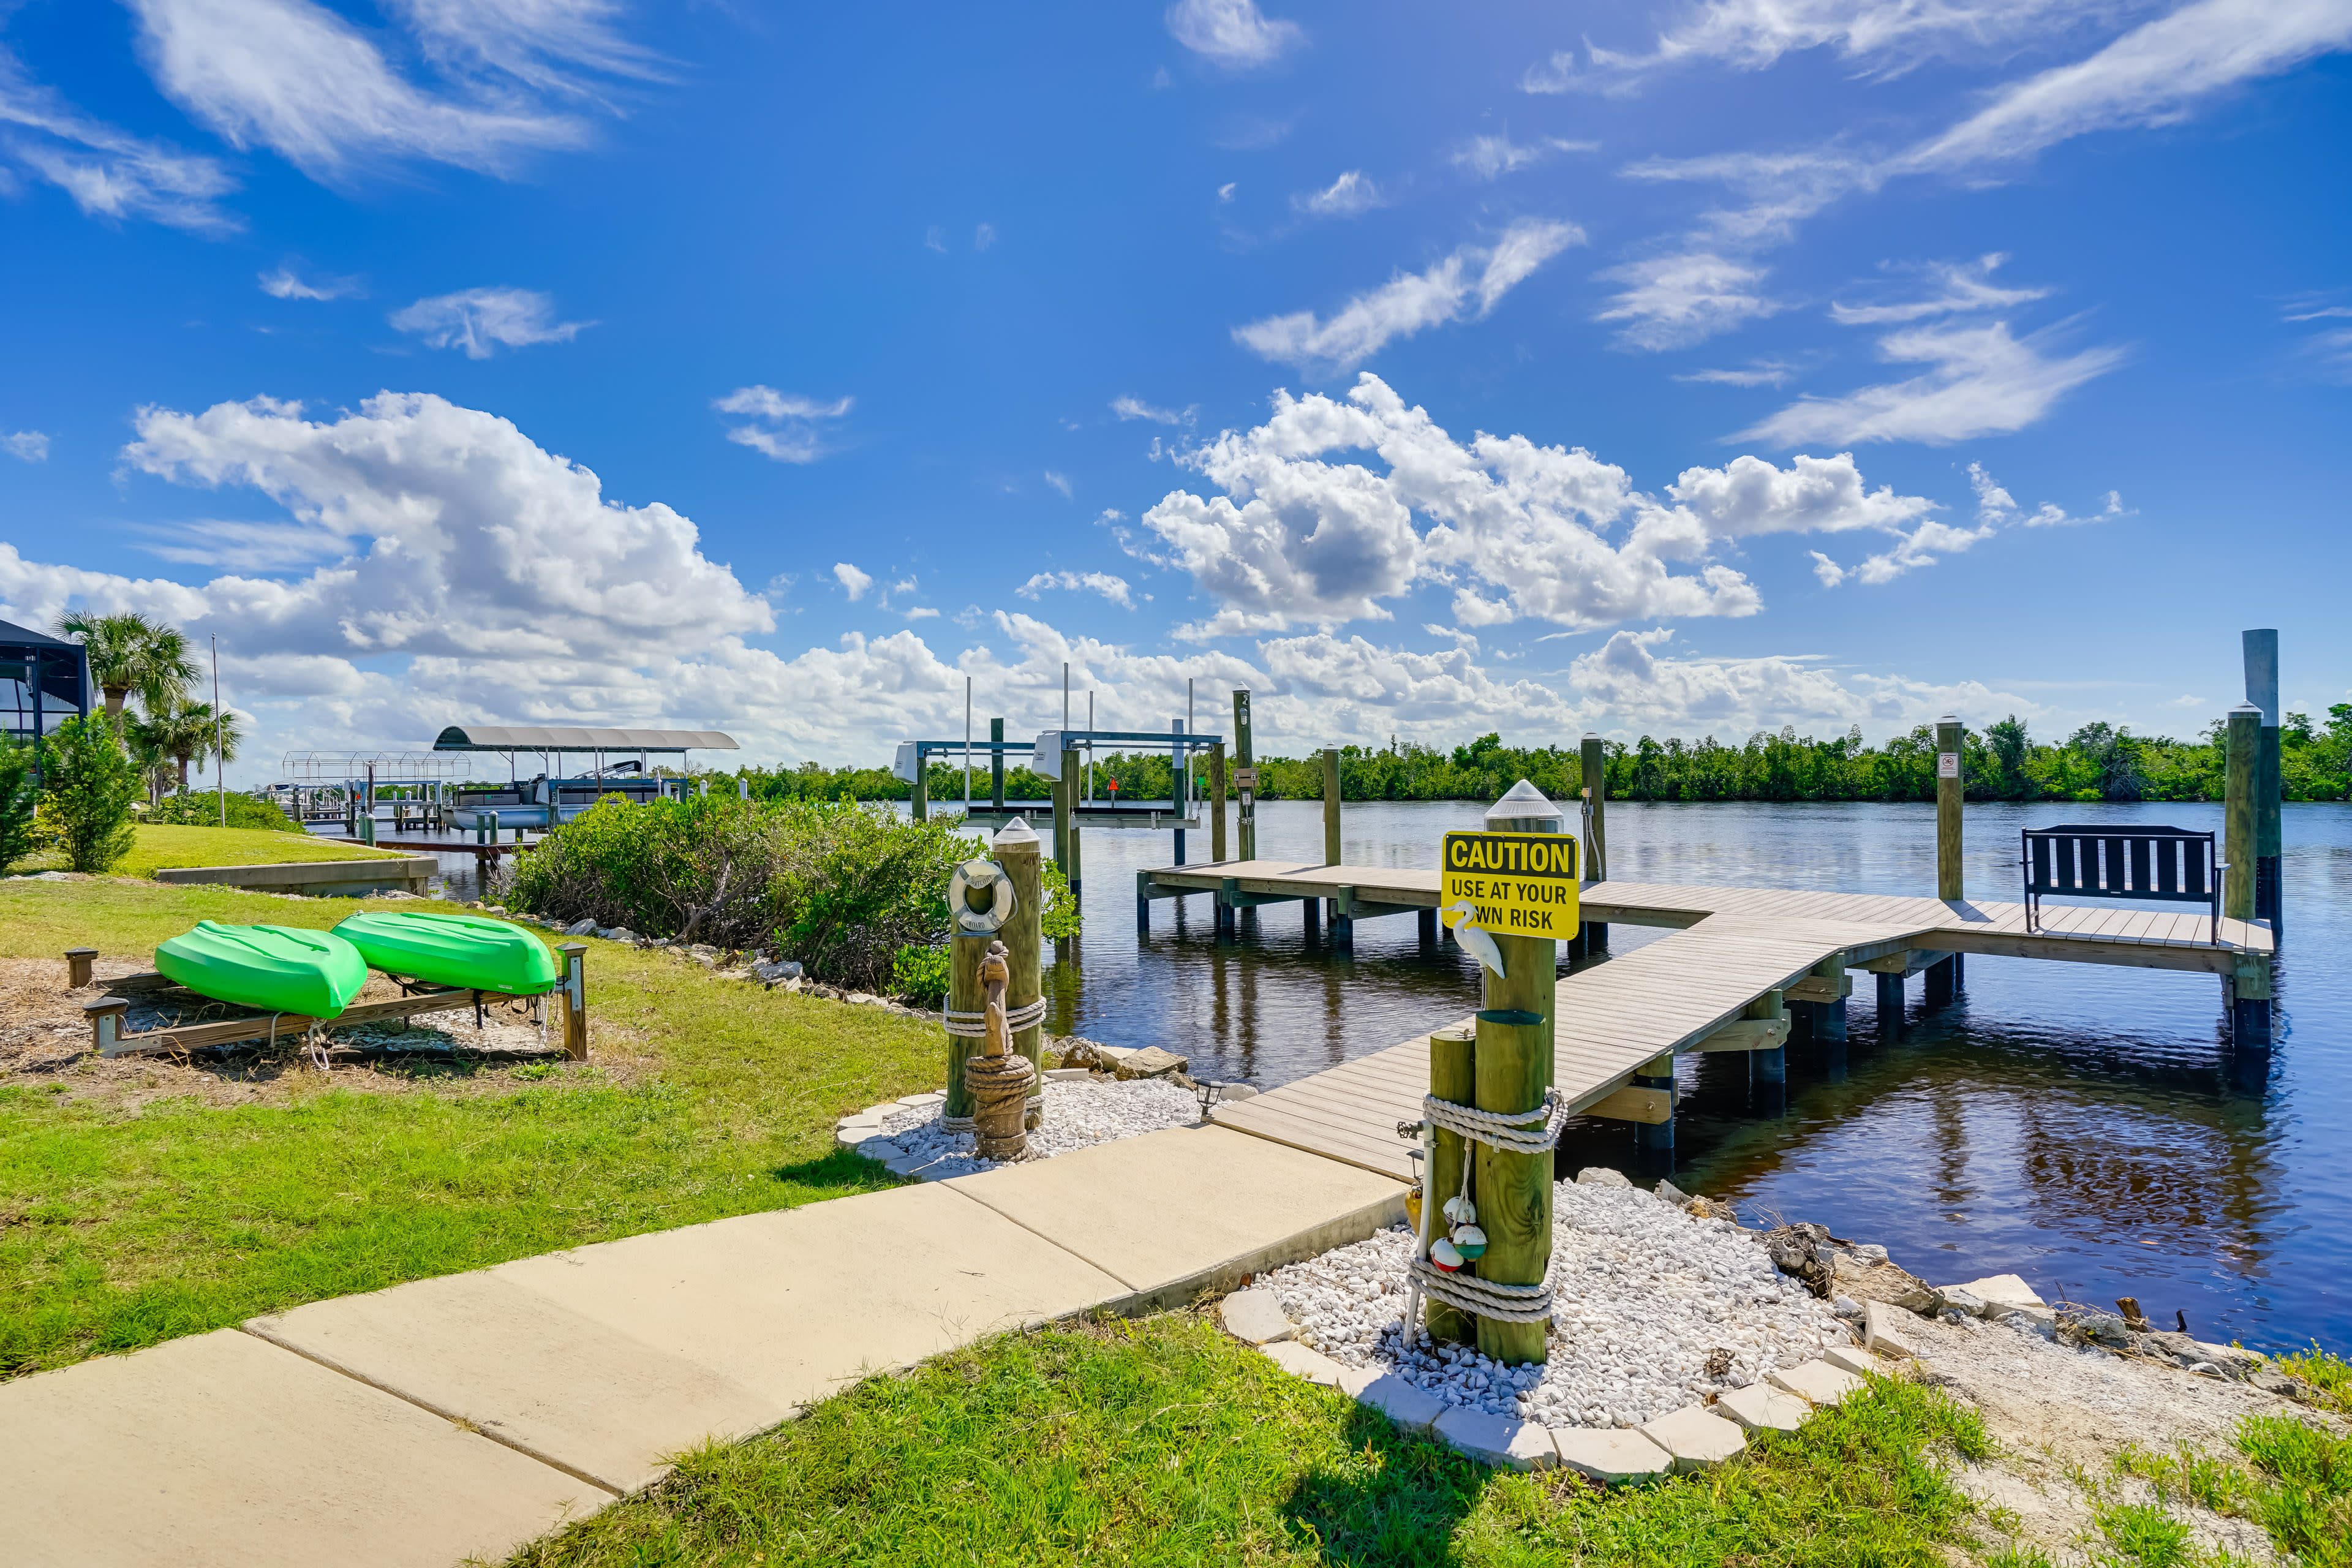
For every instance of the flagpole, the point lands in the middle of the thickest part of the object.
(220, 781)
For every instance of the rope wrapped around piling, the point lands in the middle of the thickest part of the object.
(1509, 1133)
(974, 1026)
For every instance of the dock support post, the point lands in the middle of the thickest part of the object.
(1425, 927)
(1948, 807)
(1016, 850)
(2249, 1006)
(1936, 987)
(1890, 1008)
(1828, 1020)
(2262, 691)
(1770, 1070)
(965, 951)
(575, 989)
(1217, 801)
(1180, 847)
(1314, 908)
(1514, 1069)
(1653, 1142)
(1142, 902)
(918, 793)
(2240, 814)
(1592, 769)
(1227, 888)
(1075, 868)
(1331, 806)
(1247, 757)
(1452, 1076)
(996, 765)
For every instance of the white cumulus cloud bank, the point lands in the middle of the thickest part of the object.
(1473, 279)
(463, 572)
(479, 320)
(1519, 528)
(1111, 587)
(31, 446)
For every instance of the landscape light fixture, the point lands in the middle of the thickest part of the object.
(1206, 1090)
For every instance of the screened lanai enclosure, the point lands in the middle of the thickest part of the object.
(44, 681)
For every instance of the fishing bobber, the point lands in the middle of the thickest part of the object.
(1469, 1241)
(1445, 1255)
(1460, 1211)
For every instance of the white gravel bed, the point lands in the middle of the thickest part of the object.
(1646, 1296)
(1079, 1114)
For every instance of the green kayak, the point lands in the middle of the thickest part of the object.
(283, 969)
(453, 950)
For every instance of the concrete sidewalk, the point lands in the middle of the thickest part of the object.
(470, 1414)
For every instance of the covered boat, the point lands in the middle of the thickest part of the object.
(281, 969)
(464, 950)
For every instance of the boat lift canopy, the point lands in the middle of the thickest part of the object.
(1045, 750)
(536, 738)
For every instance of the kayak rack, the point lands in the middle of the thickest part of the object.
(105, 1015)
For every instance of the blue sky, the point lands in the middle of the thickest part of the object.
(1678, 369)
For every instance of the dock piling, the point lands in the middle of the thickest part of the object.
(1935, 983)
(1452, 1076)
(2262, 691)
(1948, 784)
(996, 768)
(1075, 867)
(2240, 814)
(1890, 1008)
(1769, 1068)
(1217, 801)
(1247, 756)
(1017, 851)
(1592, 770)
(1653, 1142)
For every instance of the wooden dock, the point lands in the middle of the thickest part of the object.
(1730, 947)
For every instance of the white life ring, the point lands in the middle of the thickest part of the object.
(979, 875)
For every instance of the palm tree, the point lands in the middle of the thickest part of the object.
(185, 733)
(131, 653)
(146, 739)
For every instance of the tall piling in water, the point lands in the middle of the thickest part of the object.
(2263, 693)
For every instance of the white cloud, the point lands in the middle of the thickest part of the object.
(1348, 687)
(32, 446)
(1297, 539)
(1554, 75)
(107, 172)
(1957, 287)
(1225, 190)
(1345, 197)
(2153, 75)
(1678, 300)
(783, 423)
(282, 284)
(1931, 540)
(1111, 587)
(1060, 482)
(1233, 33)
(2323, 313)
(1492, 157)
(460, 541)
(1984, 383)
(1886, 37)
(852, 580)
(1759, 373)
(475, 320)
(1411, 302)
(1632, 680)
(1136, 409)
(294, 76)
(983, 236)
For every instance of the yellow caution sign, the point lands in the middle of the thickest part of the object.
(1512, 884)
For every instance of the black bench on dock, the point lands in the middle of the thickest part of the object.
(2171, 865)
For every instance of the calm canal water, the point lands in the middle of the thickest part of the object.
(2086, 1127)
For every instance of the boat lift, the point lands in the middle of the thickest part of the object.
(1044, 756)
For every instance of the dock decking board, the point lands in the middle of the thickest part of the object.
(1724, 947)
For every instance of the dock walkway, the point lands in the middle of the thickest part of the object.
(1729, 947)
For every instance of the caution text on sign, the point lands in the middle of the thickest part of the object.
(1520, 884)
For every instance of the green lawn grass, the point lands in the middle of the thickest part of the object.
(1165, 1441)
(164, 846)
(121, 1225)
